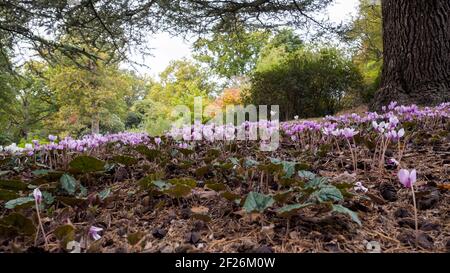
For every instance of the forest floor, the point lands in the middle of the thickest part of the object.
(132, 221)
(140, 212)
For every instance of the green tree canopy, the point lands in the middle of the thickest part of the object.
(305, 82)
(179, 84)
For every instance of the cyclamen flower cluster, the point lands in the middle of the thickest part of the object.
(86, 143)
(211, 132)
(387, 125)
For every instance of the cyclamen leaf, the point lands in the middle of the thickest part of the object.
(216, 186)
(150, 154)
(7, 194)
(306, 174)
(290, 210)
(317, 182)
(87, 164)
(178, 191)
(17, 223)
(257, 202)
(327, 193)
(353, 215)
(230, 196)
(104, 194)
(40, 172)
(161, 185)
(65, 233)
(48, 198)
(248, 163)
(125, 160)
(183, 181)
(68, 183)
(11, 204)
(288, 168)
(15, 185)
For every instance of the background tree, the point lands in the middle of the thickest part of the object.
(179, 84)
(232, 54)
(306, 82)
(365, 35)
(89, 99)
(114, 26)
(416, 41)
(26, 103)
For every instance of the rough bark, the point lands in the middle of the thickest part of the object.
(416, 39)
(95, 124)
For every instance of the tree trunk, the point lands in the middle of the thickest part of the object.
(95, 124)
(416, 40)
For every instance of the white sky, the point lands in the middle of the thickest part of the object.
(167, 48)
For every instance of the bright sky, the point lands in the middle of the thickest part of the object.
(167, 48)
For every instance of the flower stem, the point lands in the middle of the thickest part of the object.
(40, 224)
(415, 215)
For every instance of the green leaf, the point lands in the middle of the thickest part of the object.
(230, 196)
(20, 202)
(83, 190)
(17, 223)
(47, 177)
(216, 186)
(161, 185)
(257, 202)
(317, 182)
(287, 182)
(306, 175)
(200, 172)
(104, 194)
(327, 193)
(40, 172)
(225, 166)
(288, 168)
(270, 167)
(147, 182)
(248, 163)
(191, 183)
(68, 183)
(86, 164)
(213, 153)
(134, 238)
(48, 198)
(15, 185)
(125, 160)
(302, 167)
(65, 234)
(71, 201)
(289, 210)
(186, 152)
(178, 191)
(234, 160)
(282, 197)
(353, 215)
(7, 195)
(150, 154)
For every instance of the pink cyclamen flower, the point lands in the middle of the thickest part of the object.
(360, 188)
(407, 178)
(394, 161)
(93, 232)
(37, 195)
(52, 137)
(349, 132)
